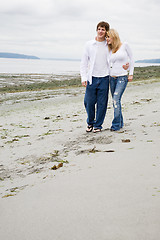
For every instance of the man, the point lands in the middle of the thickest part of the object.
(94, 71)
(95, 77)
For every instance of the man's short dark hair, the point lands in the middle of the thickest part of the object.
(103, 24)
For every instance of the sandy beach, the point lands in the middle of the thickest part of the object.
(59, 182)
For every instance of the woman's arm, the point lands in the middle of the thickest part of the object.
(131, 61)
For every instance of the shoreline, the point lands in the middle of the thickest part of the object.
(38, 82)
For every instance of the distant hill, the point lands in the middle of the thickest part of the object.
(16, 55)
(148, 61)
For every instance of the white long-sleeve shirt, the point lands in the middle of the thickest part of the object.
(89, 63)
(120, 58)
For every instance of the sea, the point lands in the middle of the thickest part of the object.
(44, 66)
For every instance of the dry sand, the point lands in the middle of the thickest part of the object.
(108, 187)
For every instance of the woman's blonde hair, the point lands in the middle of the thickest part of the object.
(116, 42)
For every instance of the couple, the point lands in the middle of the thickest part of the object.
(104, 63)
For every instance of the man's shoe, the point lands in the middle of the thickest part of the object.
(89, 128)
(97, 130)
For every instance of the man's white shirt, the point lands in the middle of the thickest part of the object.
(95, 61)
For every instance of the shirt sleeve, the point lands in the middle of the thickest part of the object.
(84, 64)
(131, 60)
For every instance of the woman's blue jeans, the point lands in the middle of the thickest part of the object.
(96, 100)
(117, 86)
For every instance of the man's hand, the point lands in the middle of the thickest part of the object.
(126, 66)
(130, 78)
(84, 84)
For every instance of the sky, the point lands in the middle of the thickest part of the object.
(60, 28)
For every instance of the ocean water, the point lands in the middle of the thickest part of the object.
(41, 66)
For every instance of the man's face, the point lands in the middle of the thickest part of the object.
(101, 33)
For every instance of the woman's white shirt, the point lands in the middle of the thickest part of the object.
(120, 58)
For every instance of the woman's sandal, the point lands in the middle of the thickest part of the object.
(89, 128)
(97, 130)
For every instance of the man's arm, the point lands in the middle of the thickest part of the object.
(126, 66)
(84, 67)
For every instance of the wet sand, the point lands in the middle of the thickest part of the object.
(58, 182)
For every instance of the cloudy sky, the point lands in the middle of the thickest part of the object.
(60, 28)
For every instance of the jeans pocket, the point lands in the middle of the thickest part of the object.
(124, 79)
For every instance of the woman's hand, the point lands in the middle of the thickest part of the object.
(130, 78)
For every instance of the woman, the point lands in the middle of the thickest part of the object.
(120, 53)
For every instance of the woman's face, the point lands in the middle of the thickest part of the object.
(109, 39)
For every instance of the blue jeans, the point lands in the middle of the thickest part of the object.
(117, 86)
(96, 100)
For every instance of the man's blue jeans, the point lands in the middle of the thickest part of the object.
(117, 86)
(96, 100)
